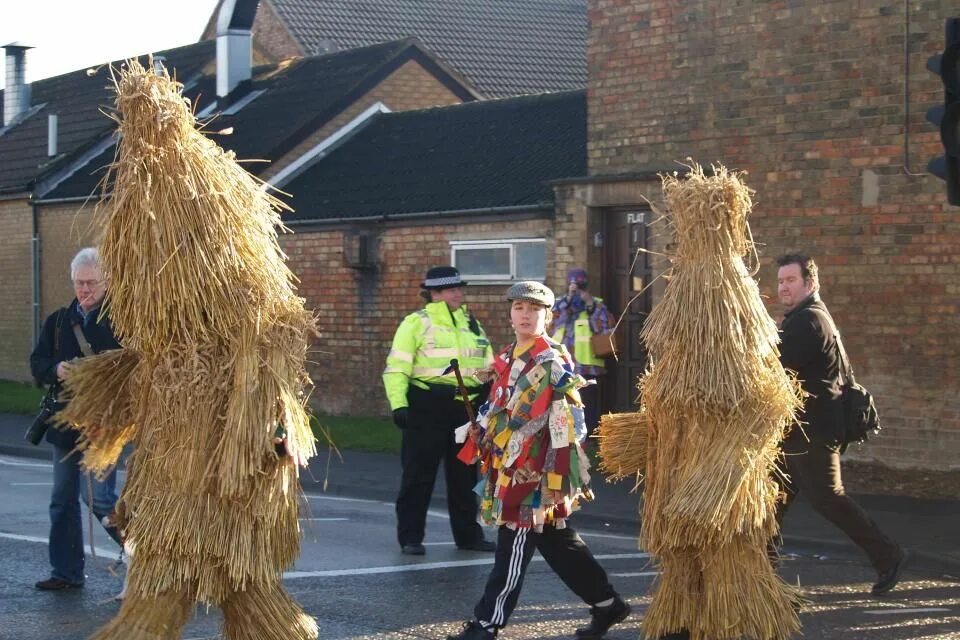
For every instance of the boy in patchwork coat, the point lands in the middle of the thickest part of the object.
(534, 472)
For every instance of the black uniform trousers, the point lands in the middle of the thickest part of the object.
(563, 550)
(813, 469)
(428, 440)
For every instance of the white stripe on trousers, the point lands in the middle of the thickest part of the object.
(513, 576)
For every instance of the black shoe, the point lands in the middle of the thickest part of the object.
(57, 584)
(413, 549)
(479, 545)
(473, 631)
(602, 618)
(888, 579)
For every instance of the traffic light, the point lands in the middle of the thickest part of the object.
(947, 115)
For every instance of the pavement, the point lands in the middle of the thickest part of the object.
(930, 529)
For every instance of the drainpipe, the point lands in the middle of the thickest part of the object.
(35, 269)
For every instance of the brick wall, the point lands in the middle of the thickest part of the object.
(16, 332)
(271, 39)
(359, 311)
(409, 87)
(809, 98)
(64, 230)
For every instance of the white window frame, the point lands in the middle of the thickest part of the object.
(504, 243)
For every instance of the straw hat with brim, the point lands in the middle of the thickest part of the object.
(532, 291)
(438, 278)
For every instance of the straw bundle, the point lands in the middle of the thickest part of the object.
(215, 343)
(715, 404)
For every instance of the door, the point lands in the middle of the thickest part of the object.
(626, 276)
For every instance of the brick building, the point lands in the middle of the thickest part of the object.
(823, 104)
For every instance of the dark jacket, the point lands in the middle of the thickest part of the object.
(46, 356)
(809, 347)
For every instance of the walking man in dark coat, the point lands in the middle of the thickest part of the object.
(810, 347)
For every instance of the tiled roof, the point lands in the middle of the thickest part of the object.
(76, 99)
(485, 154)
(298, 98)
(504, 47)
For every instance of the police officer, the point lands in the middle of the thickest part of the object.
(427, 407)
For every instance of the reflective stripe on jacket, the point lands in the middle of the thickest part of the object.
(423, 346)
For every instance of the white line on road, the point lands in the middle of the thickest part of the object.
(635, 574)
(17, 463)
(437, 544)
(101, 553)
(426, 566)
(897, 612)
(339, 499)
(31, 484)
(591, 534)
(324, 519)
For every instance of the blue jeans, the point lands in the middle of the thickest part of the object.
(66, 528)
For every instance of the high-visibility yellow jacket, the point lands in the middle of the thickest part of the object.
(423, 346)
(582, 349)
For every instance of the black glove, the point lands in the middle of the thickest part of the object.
(401, 417)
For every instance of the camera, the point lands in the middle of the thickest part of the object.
(38, 428)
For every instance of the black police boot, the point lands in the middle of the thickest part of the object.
(473, 631)
(602, 618)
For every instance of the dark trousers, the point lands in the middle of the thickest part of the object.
(564, 551)
(814, 470)
(427, 441)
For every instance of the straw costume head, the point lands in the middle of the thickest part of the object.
(212, 369)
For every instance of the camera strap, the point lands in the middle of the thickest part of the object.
(82, 341)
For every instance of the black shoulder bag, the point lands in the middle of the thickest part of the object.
(860, 417)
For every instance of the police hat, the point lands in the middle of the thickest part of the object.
(532, 291)
(442, 278)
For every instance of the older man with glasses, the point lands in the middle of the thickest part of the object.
(69, 333)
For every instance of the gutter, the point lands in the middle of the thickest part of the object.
(388, 217)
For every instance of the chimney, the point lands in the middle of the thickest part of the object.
(52, 135)
(16, 95)
(234, 43)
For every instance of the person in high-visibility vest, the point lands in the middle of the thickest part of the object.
(427, 407)
(578, 316)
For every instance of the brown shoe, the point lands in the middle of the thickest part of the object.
(57, 584)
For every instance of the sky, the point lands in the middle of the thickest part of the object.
(75, 34)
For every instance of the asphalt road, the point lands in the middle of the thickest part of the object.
(352, 577)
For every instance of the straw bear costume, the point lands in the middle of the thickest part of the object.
(214, 343)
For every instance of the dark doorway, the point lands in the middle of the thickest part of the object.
(626, 272)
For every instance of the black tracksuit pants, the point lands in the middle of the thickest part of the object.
(563, 550)
(428, 440)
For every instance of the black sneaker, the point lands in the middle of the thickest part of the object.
(602, 618)
(57, 584)
(479, 545)
(413, 549)
(888, 579)
(473, 631)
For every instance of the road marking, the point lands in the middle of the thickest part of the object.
(591, 534)
(16, 463)
(437, 544)
(636, 574)
(338, 499)
(31, 484)
(896, 612)
(101, 553)
(426, 566)
(324, 519)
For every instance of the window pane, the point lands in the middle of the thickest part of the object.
(531, 260)
(483, 262)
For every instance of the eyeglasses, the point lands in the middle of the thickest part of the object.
(86, 283)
